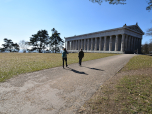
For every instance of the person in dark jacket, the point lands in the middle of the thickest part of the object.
(64, 56)
(80, 55)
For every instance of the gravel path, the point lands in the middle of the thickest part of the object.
(58, 90)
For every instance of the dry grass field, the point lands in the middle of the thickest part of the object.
(128, 92)
(13, 64)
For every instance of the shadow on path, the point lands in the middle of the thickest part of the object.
(75, 71)
(93, 68)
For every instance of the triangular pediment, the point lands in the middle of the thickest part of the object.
(135, 28)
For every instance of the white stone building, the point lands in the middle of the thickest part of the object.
(126, 39)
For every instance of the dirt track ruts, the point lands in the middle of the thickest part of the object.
(58, 90)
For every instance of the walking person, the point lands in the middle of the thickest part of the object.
(64, 56)
(80, 55)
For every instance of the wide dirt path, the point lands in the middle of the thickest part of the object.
(58, 90)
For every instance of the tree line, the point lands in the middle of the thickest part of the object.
(40, 42)
(147, 48)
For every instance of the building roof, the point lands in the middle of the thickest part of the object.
(134, 28)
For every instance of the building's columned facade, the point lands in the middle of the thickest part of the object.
(126, 39)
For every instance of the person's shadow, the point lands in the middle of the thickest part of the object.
(75, 71)
(94, 68)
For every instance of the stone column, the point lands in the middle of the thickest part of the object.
(75, 44)
(126, 43)
(81, 44)
(68, 45)
(65, 44)
(88, 44)
(105, 43)
(131, 44)
(133, 48)
(84, 44)
(78, 45)
(132, 41)
(100, 44)
(71, 45)
(135, 44)
(110, 44)
(140, 45)
(122, 42)
(91, 44)
(95, 46)
(116, 43)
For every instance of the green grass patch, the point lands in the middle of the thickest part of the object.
(17, 63)
(138, 62)
(135, 94)
(126, 94)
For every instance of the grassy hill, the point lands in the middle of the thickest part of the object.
(13, 64)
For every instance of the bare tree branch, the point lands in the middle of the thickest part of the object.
(116, 1)
(110, 1)
(149, 32)
(149, 7)
(96, 1)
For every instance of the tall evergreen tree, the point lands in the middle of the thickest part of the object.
(16, 47)
(39, 41)
(55, 41)
(9, 46)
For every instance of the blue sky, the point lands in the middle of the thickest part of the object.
(19, 19)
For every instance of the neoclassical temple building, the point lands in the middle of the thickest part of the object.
(126, 39)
